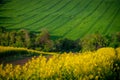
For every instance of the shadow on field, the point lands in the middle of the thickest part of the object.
(4, 1)
(55, 37)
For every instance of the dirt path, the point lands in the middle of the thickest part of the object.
(21, 62)
(25, 60)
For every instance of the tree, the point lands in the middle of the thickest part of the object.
(25, 38)
(94, 42)
(2, 29)
(19, 39)
(13, 38)
(115, 40)
(67, 45)
(43, 41)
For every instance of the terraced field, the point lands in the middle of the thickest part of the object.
(67, 18)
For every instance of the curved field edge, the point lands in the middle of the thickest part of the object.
(101, 64)
(8, 51)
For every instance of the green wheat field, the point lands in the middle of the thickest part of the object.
(66, 18)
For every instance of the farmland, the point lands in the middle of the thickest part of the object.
(103, 64)
(66, 18)
(60, 39)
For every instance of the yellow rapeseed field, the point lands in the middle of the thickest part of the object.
(97, 65)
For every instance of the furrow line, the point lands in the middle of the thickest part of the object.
(75, 14)
(97, 20)
(70, 30)
(35, 15)
(61, 15)
(105, 31)
(48, 15)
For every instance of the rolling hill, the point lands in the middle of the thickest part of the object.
(66, 18)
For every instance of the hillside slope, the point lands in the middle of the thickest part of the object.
(67, 18)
